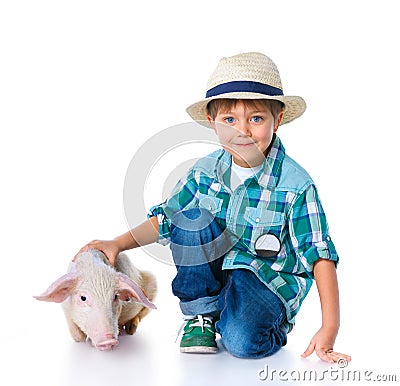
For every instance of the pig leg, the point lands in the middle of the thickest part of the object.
(131, 325)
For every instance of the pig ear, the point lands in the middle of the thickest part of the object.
(60, 289)
(133, 290)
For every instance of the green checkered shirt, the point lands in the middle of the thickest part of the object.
(280, 200)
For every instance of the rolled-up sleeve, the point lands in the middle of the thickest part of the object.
(309, 230)
(183, 196)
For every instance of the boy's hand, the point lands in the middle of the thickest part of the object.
(322, 344)
(108, 247)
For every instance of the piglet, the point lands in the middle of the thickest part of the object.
(99, 301)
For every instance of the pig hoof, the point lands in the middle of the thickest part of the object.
(131, 326)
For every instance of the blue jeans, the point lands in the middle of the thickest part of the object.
(251, 317)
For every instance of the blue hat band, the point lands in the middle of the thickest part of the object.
(244, 86)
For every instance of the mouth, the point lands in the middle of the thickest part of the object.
(248, 144)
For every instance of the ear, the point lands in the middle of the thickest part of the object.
(60, 289)
(279, 120)
(211, 122)
(129, 288)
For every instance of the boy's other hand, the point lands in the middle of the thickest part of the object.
(108, 247)
(322, 344)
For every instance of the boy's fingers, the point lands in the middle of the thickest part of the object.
(85, 248)
(90, 245)
(333, 357)
(101, 246)
(337, 356)
(309, 350)
(80, 251)
(347, 357)
(112, 261)
(325, 356)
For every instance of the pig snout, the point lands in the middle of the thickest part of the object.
(107, 343)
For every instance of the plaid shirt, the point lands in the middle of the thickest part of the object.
(280, 200)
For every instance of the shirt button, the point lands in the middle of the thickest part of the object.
(257, 219)
(328, 238)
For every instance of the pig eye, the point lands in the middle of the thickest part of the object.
(115, 297)
(83, 298)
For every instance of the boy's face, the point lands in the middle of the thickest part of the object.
(246, 132)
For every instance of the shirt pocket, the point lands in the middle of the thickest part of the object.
(263, 217)
(262, 221)
(210, 203)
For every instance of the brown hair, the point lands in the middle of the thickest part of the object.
(216, 105)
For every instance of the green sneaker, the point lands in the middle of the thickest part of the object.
(199, 336)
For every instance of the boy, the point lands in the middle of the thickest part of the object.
(246, 228)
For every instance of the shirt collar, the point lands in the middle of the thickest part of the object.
(269, 174)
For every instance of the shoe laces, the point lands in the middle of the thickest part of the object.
(198, 321)
(202, 321)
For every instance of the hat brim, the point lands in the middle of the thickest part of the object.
(294, 106)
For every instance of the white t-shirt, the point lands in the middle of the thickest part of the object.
(240, 174)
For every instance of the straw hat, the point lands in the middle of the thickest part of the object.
(247, 76)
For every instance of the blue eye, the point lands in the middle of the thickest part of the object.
(229, 120)
(256, 119)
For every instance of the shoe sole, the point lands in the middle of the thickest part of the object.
(199, 350)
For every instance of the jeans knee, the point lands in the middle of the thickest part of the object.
(191, 228)
(192, 220)
(247, 343)
(239, 345)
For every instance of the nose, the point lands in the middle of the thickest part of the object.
(108, 343)
(244, 128)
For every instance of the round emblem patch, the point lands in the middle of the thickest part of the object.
(267, 245)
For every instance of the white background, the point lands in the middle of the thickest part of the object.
(83, 84)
